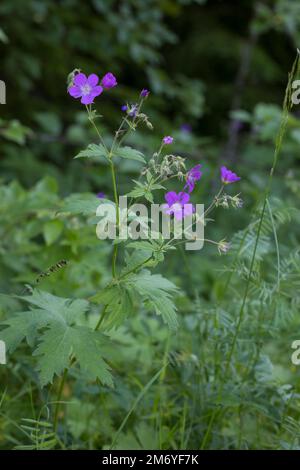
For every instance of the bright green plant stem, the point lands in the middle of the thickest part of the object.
(279, 139)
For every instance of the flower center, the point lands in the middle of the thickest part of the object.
(177, 207)
(86, 89)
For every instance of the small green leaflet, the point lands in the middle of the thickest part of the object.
(60, 337)
(145, 189)
(94, 151)
(129, 153)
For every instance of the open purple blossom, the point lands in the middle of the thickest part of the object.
(109, 81)
(228, 176)
(193, 175)
(177, 204)
(168, 140)
(86, 88)
(145, 93)
(101, 195)
(124, 107)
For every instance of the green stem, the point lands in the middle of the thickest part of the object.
(58, 399)
(210, 208)
(116, 198)
(101, 318)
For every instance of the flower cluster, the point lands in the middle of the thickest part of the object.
(176, 203)
(87, 88)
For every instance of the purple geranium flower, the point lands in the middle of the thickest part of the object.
(101, 195)
(85, 88)
(168, 140)
(145, 93)
(228, 176)
(193, 175)
(109, 80)
(177, 204)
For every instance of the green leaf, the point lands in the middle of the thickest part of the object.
(85, 204)
(142, 245)
(62, 338)
(61, 309)
(52, 231)
(23, 325)
(94, 151)
(130, 153)
(118, 302)
(158, 292)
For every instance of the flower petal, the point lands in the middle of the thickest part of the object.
(80, 79)
(96, 91)
(183, 198)
(93, 79)
(87, 99)
(188, 209)
(74, 91)
(171, 197)
(178, 214)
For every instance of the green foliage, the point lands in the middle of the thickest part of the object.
(165, 330)
(62, 339)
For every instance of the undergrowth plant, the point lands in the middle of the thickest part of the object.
(58, 329)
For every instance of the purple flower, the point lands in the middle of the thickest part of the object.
(109, 80)
(101, 195)
(85, 88)
(228, 176)
(168, 140)
(145, 93)
(193, 175)
(124, 107)
(177, 204)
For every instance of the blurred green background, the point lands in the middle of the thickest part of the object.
(217, 72)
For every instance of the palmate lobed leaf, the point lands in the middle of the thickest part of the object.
(156, 291)
(61, 339)
(57, 345)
